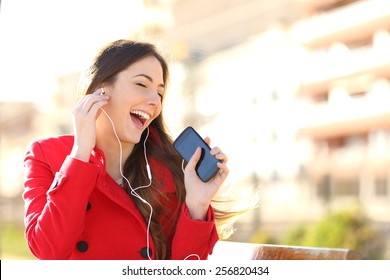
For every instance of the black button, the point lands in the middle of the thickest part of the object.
(88, 206)
(161, 183)
(82, 246)
(144, 252)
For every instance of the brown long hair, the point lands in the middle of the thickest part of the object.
(109, 61)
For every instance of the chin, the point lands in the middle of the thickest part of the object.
(134, 139)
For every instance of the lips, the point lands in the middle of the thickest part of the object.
(139, 118)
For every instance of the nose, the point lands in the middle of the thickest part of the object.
(154, 99)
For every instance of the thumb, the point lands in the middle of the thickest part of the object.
(195, 158)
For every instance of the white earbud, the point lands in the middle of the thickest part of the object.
(149, 173)
(146, 159)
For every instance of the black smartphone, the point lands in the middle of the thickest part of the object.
(186, 144)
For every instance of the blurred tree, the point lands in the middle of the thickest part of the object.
(344, 229)
(262, 237)
(13, 244)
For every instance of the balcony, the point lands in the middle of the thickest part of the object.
(348, 24)
(349, 163)
(340, 67)
(345, 117)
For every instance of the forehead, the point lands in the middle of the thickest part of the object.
(149, 66)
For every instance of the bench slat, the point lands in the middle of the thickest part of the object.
(251, 251)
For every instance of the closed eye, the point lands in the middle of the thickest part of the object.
(144, 86)
(141, 84)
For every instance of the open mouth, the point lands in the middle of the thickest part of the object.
(139, 118)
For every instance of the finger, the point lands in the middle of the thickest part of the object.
(93, 101)
(221, 156)
(217, 152)
(207, 140)
(194, 159)
(96, 106)
(223, 167)
(223, 170)
(214, 151)
(99, 91)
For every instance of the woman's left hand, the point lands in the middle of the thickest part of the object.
(199, 193)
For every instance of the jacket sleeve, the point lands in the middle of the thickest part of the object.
(55, 202)
(194, 239)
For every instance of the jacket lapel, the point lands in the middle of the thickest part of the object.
(109, 188)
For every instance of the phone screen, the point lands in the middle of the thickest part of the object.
(186, 144)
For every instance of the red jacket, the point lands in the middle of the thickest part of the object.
(75, 210)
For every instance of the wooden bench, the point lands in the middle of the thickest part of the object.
(251, 251)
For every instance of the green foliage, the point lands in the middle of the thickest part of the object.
(12, 242)
(262, 237)
(296, 236)
(345, 229)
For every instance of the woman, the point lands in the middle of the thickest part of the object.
(115, 189)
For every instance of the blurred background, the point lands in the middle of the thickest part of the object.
(296, 92)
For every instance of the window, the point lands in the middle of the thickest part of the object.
(381, 187)
(346, 187)
(323, 188)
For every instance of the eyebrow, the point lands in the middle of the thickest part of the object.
(149, 78)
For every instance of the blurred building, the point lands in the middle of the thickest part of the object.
(345, 116)
(20, 123)
(297, 93)
(16, 126)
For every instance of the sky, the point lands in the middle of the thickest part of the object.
(42, 39)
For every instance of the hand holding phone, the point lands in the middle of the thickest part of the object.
(187, 143)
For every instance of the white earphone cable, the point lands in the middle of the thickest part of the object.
(133, 191)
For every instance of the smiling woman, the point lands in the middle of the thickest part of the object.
(115, 188)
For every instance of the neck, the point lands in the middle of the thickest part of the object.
(111, 148)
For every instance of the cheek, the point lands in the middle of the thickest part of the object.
(158, 111)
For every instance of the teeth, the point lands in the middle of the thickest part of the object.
(141, 114)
